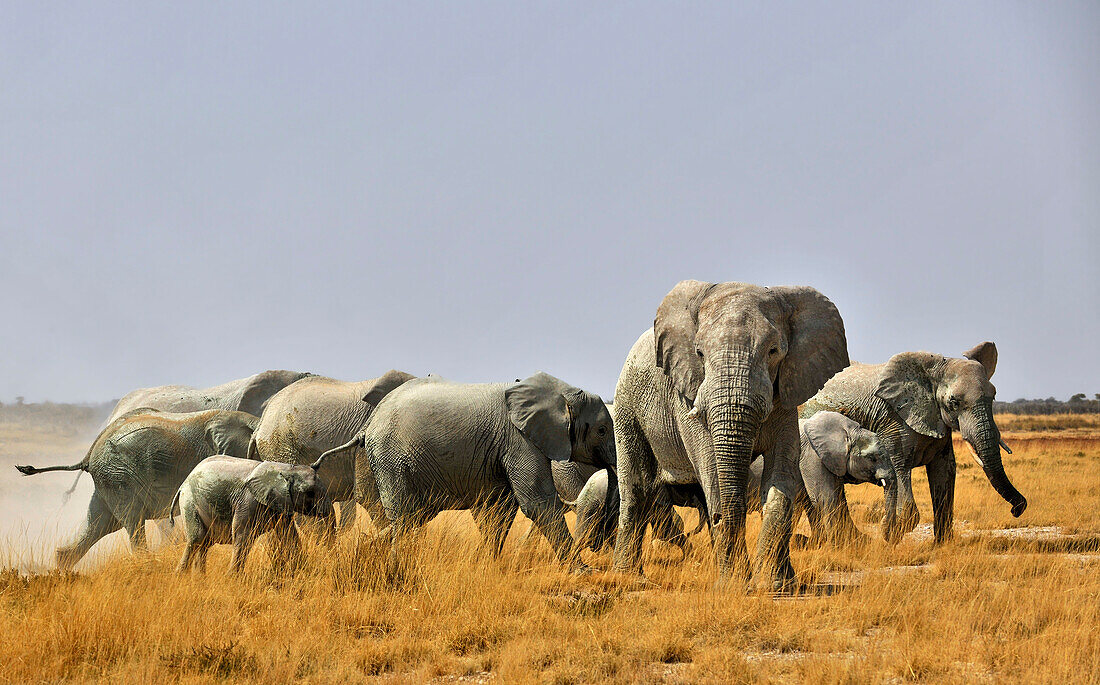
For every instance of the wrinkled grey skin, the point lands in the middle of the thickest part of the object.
(434, 445)
(317, 414)
(717, 380)
(139, 461)
(249, 395)
(914, 402)
(231, 500)
(835, 451)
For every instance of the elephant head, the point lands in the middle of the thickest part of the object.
(934, 394)
(259, 389)
(848, 450)
(230, 432)
(286, 489)
(735, 352)
(564, 422)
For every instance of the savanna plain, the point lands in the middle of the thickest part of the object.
(1008, 600)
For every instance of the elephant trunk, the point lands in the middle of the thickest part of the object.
(734, 423)
(980, 430)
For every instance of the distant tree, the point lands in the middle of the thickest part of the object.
(19, 399)
(1079, 397)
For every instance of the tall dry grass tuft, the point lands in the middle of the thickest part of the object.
(995, 604)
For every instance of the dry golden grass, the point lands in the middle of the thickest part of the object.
(1061, 424)
(1019, 607)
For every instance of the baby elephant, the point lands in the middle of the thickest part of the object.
(231, 500)
(835, 450)
(597, 527)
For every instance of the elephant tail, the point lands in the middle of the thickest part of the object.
(253, 451)
(81, 465)
(357, 441)
(172, 509)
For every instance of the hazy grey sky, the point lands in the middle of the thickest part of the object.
(195, 192)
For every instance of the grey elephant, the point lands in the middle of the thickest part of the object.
(914, 402)
(231, 500)
(717, 380)
(315, 415)
(835, 451)
(244, 394)
(434, 445)
(139, 461)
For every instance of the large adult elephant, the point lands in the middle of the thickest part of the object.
(434, 445)
(244, 394)
(139, 461)
(308, 418)
(913, 402)
(717, 380)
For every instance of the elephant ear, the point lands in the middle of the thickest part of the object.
(270, 487)
(906, 385)
(986, 354)
(674, 330)
(225, 435)
(539, 406)
(384, 385)
(262, 386)
(827, 434)
(816, 347)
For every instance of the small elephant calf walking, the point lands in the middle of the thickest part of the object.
(232, 500)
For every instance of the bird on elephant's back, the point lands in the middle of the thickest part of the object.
(914, 402)
(139, 461)
(717, 380)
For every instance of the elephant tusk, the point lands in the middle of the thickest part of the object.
(1005, 447)
(882, 482)
(974, 454)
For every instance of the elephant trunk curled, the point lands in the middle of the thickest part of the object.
(979, 429)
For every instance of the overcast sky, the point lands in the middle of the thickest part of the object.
(192, 193)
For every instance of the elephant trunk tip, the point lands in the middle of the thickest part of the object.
(1019, 507)
(26, 470)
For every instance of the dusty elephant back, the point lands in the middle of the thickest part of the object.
(248, 394)
(310, 417)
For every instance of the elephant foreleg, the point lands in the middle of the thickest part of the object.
(780, 488)
(285, 546)
(99, 522)
(941, 485)
(637, 476)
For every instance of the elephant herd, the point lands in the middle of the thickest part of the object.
(738, 397)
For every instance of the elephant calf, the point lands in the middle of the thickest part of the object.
(835, 451)
(434, 445)
(597, 509)
(232, 500)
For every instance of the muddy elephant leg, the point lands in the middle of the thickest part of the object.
(780, 488)
(494, 519)
(941, 485)
(99, 522)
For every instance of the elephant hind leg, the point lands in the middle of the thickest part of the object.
(100, 521)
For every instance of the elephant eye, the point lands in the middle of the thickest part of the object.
(774, 350)
(602, 431)
(699, 352)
